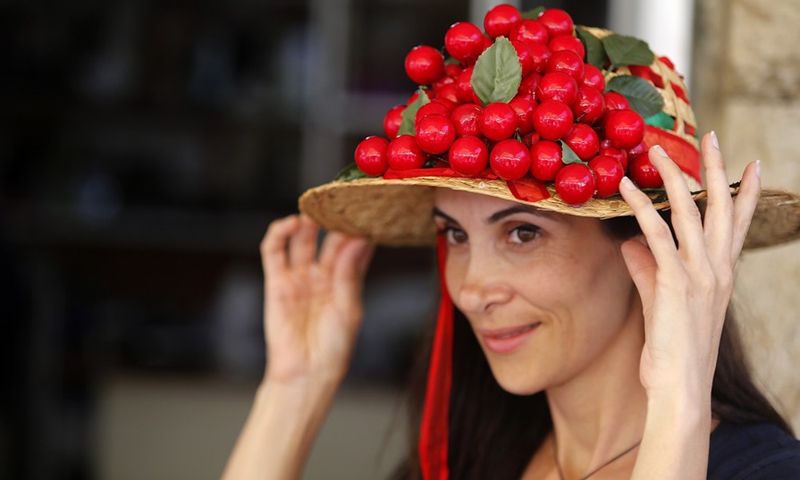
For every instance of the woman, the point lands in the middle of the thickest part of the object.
(566, 346)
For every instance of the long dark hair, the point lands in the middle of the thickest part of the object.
(494, 434)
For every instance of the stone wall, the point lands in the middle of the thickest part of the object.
(746, 87)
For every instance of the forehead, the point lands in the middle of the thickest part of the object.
(460, 203)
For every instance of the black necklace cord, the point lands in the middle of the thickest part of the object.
(561, 473)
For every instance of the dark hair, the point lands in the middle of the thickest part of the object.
(494, 434)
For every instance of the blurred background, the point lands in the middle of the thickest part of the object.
(146, 145)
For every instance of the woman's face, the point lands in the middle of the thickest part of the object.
(548, 295)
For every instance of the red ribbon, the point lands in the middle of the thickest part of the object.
(683, 153)
(434, 433)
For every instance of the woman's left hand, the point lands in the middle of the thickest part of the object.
(685, 287)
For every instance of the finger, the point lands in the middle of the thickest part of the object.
(642, 267)
(331, 246)
(719, 209)
(656, 231)
(274, 258)
(347, 276)
(745, 206)
(686, 219)
(303, 245)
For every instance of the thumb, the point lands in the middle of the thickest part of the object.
(642, 267)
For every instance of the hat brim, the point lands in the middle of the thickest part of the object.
(398, 212)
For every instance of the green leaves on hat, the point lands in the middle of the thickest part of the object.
(568, 155)
(410, 114)
(497, 73)
(533, 13)
(624, 50)
(642, 96)
(595, 53)
(350, 172)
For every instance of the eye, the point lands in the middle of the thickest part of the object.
(454, 235)
(524, 233)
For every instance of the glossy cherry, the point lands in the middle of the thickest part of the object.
(638, 149)
(528, 86)
(608, 173)
(465, 119)
(498, 122)
(370, 156)
(403, 153)
(433, 108)
(435, 134)
(530, 31)
(567, 43)
(557, 86)
(546, 160)
(583, 140)
(464, 87)
(540, 54)
(642, 171)
(448, 93)
(469, 155)
(567, 62)
(593, 77)
(510, 159)
(624, 128)
(575, 184)
(619, 155)
(424, 64)
(552, 119)
(393, 120)
(589, 106)
(524, 110)
(500, 20)
(616, 101)
(464, 42)
(524, 55)
(557, 21)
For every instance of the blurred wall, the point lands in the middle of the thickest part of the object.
(747, 88)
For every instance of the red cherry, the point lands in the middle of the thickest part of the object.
(583, 140)
(589, 106)
(540, 54)
(499, 121)
(465, 119)
(569, 43)
(557, 22)
(567, 62)
(442, 81)
(435, 134)
(500, 20)
(525, 57)
(530, 31)
(624, 128)
(557, 86)
(433, 108)
(524, 110)
(510, 160)
(546, 160)
(393, 120)
(452, 70)
(638, 150)
(608, 173)
(464, 42)
(593, 77)
(616, 101)
(448, 93)
(424, 64)
(469, 156)
(644, 173)
(619, 155)
(528, 86)
(464, 86)
(552, 119)
(575, 184)
(370, 156)
(403, 153)
(530, 139)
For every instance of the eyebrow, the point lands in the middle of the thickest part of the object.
(495, 217)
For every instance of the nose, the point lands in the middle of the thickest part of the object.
(483, 287)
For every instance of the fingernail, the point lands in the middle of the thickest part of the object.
(627, 183)
(660, 151)
(758, 168)
(714, 139)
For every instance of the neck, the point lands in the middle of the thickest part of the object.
(601, 413)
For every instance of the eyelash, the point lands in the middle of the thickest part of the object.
(450, 232)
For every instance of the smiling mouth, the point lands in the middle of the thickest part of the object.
(506, 340)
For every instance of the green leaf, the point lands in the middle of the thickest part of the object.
(533, 13)
(568, 155)
(452, 61)
(350, 172)
(595, 52)
(641, 94)
(410, 114)
(497, 73)
(625, 50)
(661, 120)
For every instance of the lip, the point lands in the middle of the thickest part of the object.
(506, 340)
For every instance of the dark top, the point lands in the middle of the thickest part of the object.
(753, 452)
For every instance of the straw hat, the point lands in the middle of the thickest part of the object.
(395, 209)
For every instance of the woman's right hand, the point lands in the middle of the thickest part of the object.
(313, 305)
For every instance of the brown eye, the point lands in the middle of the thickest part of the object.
(524, 234)
(455, 235)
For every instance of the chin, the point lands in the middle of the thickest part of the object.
(516, 378)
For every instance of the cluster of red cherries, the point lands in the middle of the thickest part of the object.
(560, 127)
